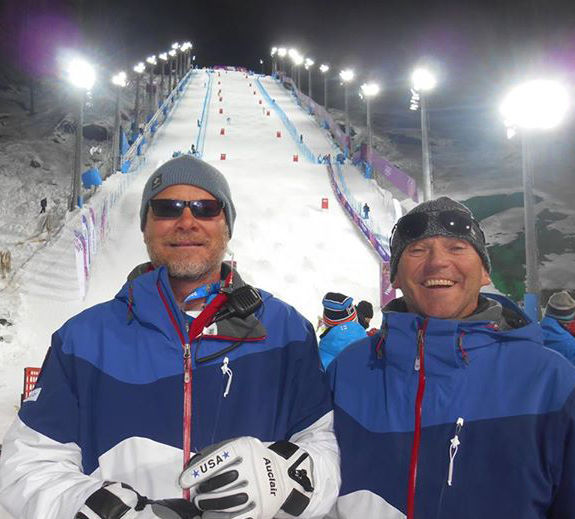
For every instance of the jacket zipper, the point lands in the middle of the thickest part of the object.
(453, 448)
(187, 433)
(419, 366)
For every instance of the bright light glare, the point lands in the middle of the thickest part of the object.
(297, 60)
(120, 79)
(163, 56)
(261, 61)
(370, 89)
(175, 45)
(151, 60)
(187, 45)
(537, 104)
(282, 52)
(422, 80)
(309, 62)
(323, 68)
(274, 50)
(81, 74)
(140, 68)
(346, 75)
(172, 53)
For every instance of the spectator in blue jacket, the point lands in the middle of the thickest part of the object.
(559, 314)
(454, 409)
(342, 328)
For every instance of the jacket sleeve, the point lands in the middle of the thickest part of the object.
(41, 464)
(563, 506)
(312, 420)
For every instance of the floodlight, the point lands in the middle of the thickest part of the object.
(537, 104)
(140, 68)
(308, 62)
(163, 56)
(274, 51)
(323, 68)
(172, 53)
(151, 60)
(120, 79)
(261, 61)
(423, 80)
(81, 74)
(297, 60)
(282, 52)
(346, 75)
(370, 89)
(175, 45)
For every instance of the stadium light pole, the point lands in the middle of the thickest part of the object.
(172, 53)
(120, 80)
(346, 77)
(298, 61)
(176, 49)
(282, 53)
(82, 76)
(293, 55)
(530, 107)
(273, 54)
(308, 66)
(187, 50)
(151, 61)
(139, 69)
(423, 81)
(163, 58)
(323, 69)
(369, 90)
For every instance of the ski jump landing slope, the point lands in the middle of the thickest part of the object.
(283, 241)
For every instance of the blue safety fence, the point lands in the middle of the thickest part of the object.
(292, 130)
(203, 122)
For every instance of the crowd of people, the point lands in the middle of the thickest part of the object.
(193, 394)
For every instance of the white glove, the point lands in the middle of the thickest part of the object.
(118, 500)
(248, 480)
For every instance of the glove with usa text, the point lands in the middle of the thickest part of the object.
(247, 480)
(118, 500)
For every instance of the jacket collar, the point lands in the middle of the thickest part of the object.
(450, 343)
(142, 295)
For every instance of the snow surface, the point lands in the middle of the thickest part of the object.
(283, 241)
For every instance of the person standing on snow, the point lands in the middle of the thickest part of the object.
(365, 211)
(186, 359)
(342, 328)
(454, 409)
(559, 314)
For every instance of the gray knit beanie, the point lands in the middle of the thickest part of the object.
(189, 170)
(561, 306)
(434, 228)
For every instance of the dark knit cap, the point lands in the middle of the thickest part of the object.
(192, 171)
(364, 309)
(434, 228)
(561, 306)
(337, 308)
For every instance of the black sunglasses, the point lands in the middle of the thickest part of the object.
(412, 226)
(168, 208)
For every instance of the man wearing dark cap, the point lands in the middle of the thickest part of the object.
(559, 314)
(191, 393)
(454, 409)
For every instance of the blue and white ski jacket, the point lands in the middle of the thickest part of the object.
(457, 419)
(337, 339)
(558, 338)
(109, 402)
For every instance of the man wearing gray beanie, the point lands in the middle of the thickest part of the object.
(559, 315)
(454, 408)
(157, 404)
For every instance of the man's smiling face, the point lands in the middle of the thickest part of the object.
(441, 277)
(191, 248)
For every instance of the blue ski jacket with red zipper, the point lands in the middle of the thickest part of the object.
(446, 419)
